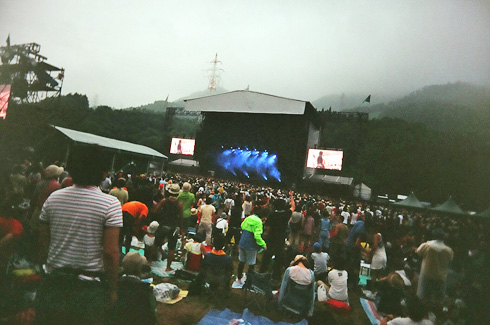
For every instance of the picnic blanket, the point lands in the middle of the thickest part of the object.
(225, 317)
(158, 268)
(370, 310)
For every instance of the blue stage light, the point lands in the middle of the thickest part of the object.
(247, 162)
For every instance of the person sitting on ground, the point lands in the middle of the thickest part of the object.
(320, 262)
(299, 273)
(222, 224)
(149, 240)
(195, 250)
(136, 303)
(217, 262)
(337, 283)
(417, 315)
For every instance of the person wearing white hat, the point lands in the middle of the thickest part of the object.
(168, 213)
(188, 200)
(149, 239)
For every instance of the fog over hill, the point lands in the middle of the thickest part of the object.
(457, 107)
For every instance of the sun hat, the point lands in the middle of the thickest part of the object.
(152, 228)
(133, 263)
(193, 211)
(52, 171)
(174, 189)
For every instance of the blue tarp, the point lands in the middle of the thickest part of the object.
(223, 317)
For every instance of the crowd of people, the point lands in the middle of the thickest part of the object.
(80, 223)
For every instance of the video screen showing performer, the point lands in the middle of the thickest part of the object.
(182, 146)
(325, 159)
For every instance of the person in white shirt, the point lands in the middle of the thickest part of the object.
(337, 279)
(222, 223)
(208, 212)
(346, 216)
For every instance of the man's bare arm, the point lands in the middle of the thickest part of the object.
(111, 259)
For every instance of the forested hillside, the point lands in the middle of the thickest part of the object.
(459, 108)
(432, 145)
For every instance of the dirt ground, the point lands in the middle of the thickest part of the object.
(192, 309)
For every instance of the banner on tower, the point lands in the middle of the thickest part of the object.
(4, 100)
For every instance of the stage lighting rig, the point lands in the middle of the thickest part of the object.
(31, 78)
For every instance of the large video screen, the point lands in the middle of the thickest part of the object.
(182, 146)
(325, 159)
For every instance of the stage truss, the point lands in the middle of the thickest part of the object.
(32, 79)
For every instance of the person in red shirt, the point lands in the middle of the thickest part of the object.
(10, 232)
(134, 213)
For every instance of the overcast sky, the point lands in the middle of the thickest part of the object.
(130, 53)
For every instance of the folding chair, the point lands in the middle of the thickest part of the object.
(218, 284)
(297, 298)
(257, 290)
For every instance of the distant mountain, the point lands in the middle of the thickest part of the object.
(458, 107)
(159, 105)
(341, 102)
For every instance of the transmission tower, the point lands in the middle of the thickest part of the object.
(214, 73)
(31, 78)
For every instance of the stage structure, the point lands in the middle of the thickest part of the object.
(255, 135)
(31, 78)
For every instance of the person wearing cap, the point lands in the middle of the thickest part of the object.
(188, 200)
(193, 220)
(79, 234)
(436, 257)
(134, 214)
(168, 212)
(149, 239)
(222, 223)
(320, 260)
(136, 303)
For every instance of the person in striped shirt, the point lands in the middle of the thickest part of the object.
(79, 238)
